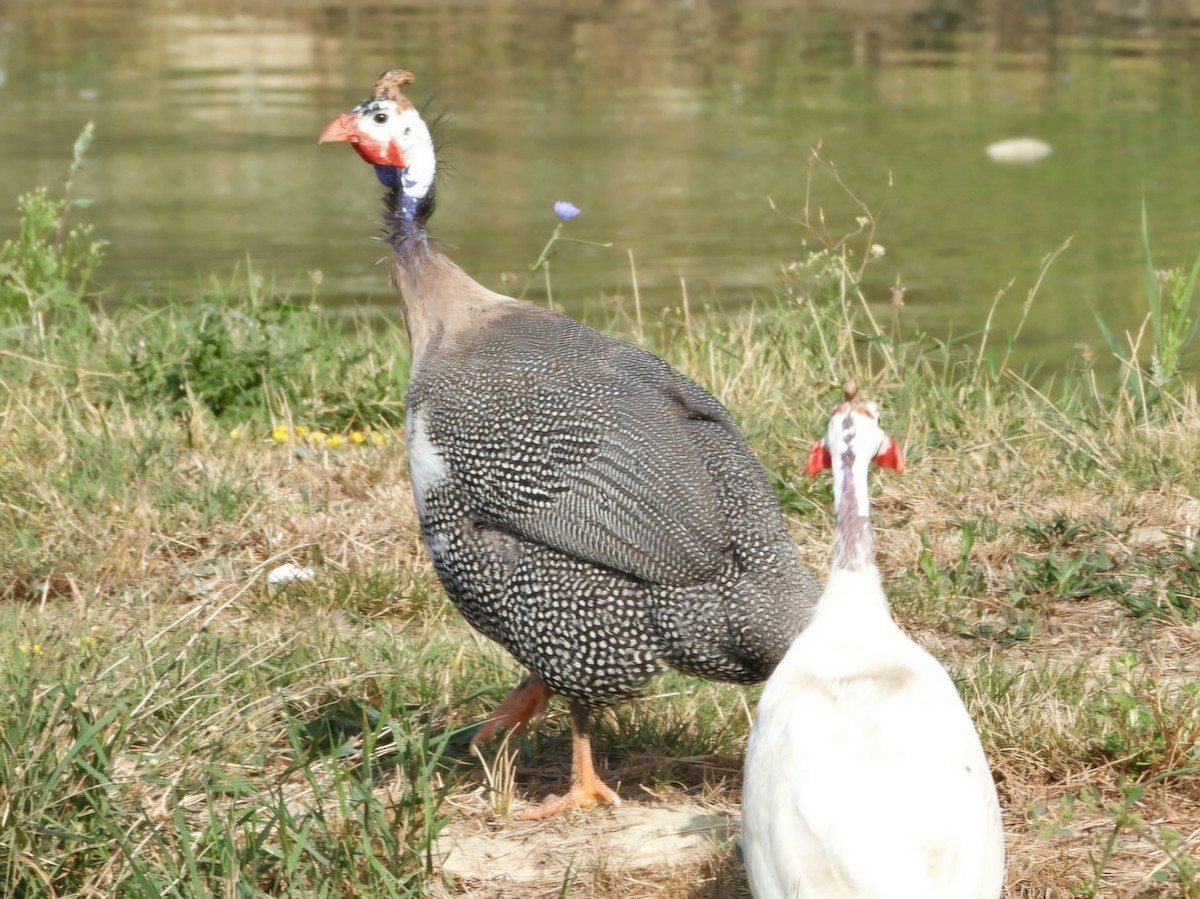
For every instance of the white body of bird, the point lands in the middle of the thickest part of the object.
(865, 776)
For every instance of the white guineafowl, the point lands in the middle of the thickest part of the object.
(865, 776)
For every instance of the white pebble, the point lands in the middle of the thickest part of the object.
(1018, 149)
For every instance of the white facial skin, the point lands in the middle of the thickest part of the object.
(417, 145)
(391, 136)
(868, 440)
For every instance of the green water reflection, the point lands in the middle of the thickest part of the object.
(670, 124)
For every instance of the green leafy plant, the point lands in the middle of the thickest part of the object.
(1058, 531)
(1179, 868)
(1064, 574)
(47, 267)
(1151, 726)
(963, 576)
(245, 355)
(223, 364)
(1170, 298)
(1172, 586)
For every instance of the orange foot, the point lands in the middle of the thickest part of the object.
(526, 702)
(579, 796)
(586, 788)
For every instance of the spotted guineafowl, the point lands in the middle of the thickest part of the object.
(585, 505)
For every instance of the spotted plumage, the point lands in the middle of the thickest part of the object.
(600, 512)
(585, 504)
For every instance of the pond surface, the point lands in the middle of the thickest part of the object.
(673, 125)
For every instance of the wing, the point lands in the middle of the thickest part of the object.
(584, 443)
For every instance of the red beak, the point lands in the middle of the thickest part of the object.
(344, 128)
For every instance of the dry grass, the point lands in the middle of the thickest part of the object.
(175, 724)
(221, 675)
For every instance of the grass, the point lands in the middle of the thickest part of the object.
(1171, 302)
(174, 725)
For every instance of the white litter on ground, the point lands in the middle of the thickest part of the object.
(287, 573)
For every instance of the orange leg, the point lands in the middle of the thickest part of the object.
(526, 702)
(586, 788)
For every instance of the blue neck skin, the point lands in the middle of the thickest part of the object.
(389, 177)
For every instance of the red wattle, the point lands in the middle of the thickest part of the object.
(819, 458)
(891, 456)
(378, 153)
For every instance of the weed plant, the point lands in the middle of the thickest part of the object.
(1172, 316)
(44, 270)
(174, 723)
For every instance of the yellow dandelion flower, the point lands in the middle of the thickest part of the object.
(302, 430)
(378, 439)
(32, 649)
(317, 438)
(335, 440)
(280, 434)
(357, 437)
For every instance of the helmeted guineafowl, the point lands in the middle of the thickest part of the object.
(585, 504)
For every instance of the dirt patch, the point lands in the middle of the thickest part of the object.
(492, 858)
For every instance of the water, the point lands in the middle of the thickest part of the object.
(670, 124)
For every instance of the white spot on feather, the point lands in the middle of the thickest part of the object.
(426, 466)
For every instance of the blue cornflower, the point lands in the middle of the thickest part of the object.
(566, 211)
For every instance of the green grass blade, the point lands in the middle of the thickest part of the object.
(1110, 339)
(1153, 287)
(1189, 300)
